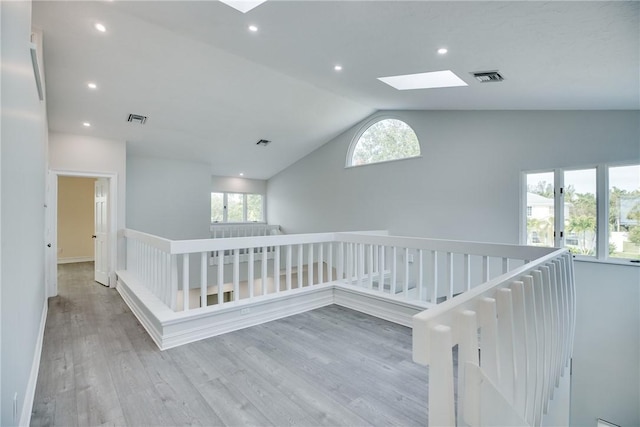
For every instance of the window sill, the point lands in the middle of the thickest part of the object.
(622, 262)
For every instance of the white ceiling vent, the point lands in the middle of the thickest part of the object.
(263, 142)
(137, 118)
(487, 76)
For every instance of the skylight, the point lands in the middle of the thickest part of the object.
(243, 6)
(429, 80)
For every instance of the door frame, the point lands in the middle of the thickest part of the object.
(52, 230)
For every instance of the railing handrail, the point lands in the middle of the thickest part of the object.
(152, 240)
(443, 311)
(497, 250)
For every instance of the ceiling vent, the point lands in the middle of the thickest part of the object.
(263, 142)
(488, 76)
(137, 118)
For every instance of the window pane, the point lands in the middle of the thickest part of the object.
(580, 211)
(385, 140)
(624, 212)
(217, 207)
(540, 209)
(254, 207)
(235, 207)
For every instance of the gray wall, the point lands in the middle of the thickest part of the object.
(232, 184)
(22, 178)
(168, 198)
(466, 186)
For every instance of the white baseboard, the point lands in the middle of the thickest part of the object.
(30, 392)
(75, 259)
(393, 310)
(170, 329)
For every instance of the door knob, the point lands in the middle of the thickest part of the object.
(94, 236)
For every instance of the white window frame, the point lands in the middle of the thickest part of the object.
(602, 210)
(364, 128)
(225, 219)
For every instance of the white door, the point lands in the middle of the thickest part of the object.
(101, 236)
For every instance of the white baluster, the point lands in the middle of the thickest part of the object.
(505, 343)
(489, 339)
(450, 275)
(264, 270)
(310, 264)
(370, 266)
(420, 283)
(394, 270)
(485, 269)
(321, 263)
(220, 277)
(330, 262)
(434, 276)
(467, 272)
(276, 268)
(521, 331)
(441, 397)
(174, 282)
(185, 281)
(251, 277)
(236, 274)
(288, 268)
(300, 266)
(468, 405)
(405, 287)
(203, 279)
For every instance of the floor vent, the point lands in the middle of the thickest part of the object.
(263, 142)
(137, 118)
(487, 76)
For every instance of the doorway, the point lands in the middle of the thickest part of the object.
(81, 224)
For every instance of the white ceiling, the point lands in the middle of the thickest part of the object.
(212, 89)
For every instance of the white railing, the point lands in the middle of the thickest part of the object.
(226, 230)
(509, 309)
(420, 271)
(514, 338)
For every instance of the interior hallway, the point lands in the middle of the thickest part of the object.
(330, 366)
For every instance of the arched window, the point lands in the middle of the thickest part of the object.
(384, 140)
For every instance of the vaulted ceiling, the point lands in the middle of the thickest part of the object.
(211, 88)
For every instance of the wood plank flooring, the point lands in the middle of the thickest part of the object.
(331, 367)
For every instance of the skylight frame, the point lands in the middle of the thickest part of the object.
(243, 6)
(426, 80)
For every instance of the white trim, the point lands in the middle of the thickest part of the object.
(52, 288)
(378, 117)
(396, 311)
(72, 260)
(170, 329)
(30, 392)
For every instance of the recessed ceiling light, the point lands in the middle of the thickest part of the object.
(241, 173)
(92, 85)
(443, 50)
(253, 28)
(100, 27)
(86, 124)
(338, 68)
(243, 6)
(434, 79)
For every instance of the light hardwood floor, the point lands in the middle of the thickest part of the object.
(330, 366)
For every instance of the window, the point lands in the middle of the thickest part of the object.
(595, 212)
(540, 209)
(384, 140)
(580, 218)
(237, 207)
(624, 212)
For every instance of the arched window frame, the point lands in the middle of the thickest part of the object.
(364, 128)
